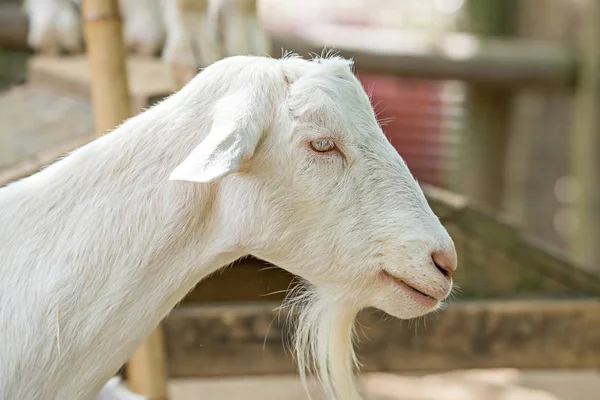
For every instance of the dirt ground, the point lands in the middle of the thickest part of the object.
(496, 384)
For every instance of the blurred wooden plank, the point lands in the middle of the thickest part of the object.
(13, 26)
(149, 80)
(496, 234)
(488, 129)
(556, 265)
(247, 339)
(13, 68)
(249, 279)
(507, 62)
(585, 143)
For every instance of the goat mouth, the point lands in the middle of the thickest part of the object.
(411, 289)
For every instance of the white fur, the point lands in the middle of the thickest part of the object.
(238, 26)
(200, 32)
(97, 248)
(54, 26)
(143, 29)
(191, 43)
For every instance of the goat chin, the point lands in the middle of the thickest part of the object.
(323, 340)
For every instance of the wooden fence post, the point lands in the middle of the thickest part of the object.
(106, 53)
(112, 105)
(585, 142)
(147, 371)
(485, 142)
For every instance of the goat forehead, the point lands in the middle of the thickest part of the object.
(329, 98)
(335, 101)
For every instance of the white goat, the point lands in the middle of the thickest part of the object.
(196, 33)
(191, 42)
(238, 27)
(55, 26)
(200, 32)
(282, 159)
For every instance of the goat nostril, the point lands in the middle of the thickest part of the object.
(444, 262)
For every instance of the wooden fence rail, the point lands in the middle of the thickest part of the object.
(244, 339)
(464, 57)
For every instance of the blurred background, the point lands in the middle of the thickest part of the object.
(493, 104)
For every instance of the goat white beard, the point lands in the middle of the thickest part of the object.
(323, 341)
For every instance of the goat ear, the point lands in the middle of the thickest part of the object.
(237, 127)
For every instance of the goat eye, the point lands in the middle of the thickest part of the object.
(322, 145)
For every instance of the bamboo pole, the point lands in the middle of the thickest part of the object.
(585, 142)
(106, 52)
(146, 370)
(112, 105)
